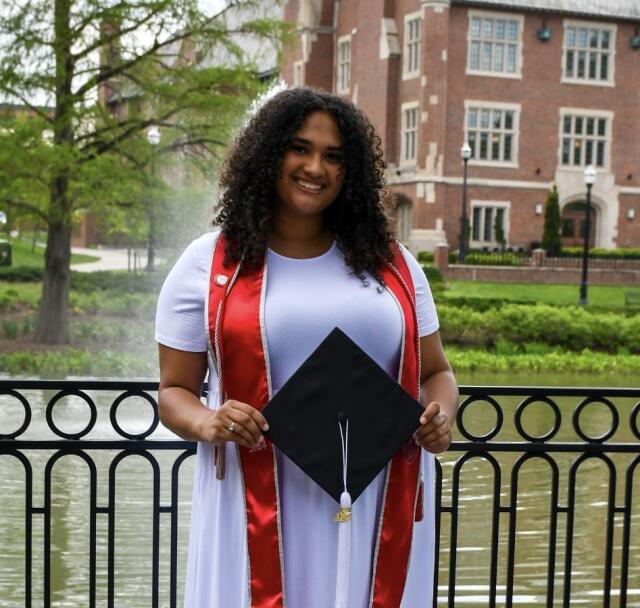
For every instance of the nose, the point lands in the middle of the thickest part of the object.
(314, 165)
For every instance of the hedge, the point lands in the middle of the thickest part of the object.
(571, 328)
(143, 282)
(622, 253)
(585, 362)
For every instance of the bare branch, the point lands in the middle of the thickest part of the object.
(35, 109)
(152, 50)
(104, 40)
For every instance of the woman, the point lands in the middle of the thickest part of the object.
(304, 246)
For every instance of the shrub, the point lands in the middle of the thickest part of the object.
(425, 257)
(21, 274)
(623, 253)
(480, 304)
(28, 325)
(569, 327)
(10, 328)
(494, 259)
(144, 282)
(436, 280)
(551, 362)
(54, 364)
(551, 241)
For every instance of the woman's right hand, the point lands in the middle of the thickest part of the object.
(234, 421)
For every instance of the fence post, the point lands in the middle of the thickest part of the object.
(537, 257)
(441, 257)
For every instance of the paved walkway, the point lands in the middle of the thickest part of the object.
(110, 259)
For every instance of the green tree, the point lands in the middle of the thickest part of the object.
(551, 241)
(95, 75)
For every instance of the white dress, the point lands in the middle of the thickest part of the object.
(305, 300)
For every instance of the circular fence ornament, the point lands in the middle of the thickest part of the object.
(462, 426)
(93, 414)
(578, 426)
(27, 414)
(633, 421)
(113, 414)
(520, 410)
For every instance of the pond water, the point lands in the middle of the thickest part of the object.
(70, 499)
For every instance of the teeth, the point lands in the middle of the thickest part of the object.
(309, 185)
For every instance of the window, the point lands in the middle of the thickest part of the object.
(411, 46)
(588, 53)
(585, 139)
(344, 64)
(495, 44)
(409, 142)
(489, 223)
(404, 222)
(492, 130)
(298, 74)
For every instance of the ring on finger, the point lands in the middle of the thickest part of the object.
(232, 427)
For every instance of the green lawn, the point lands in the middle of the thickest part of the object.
(23, 256)
(605, 296)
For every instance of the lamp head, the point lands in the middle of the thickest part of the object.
(153, 135)
(544, 34)
(465, 151)
(589, 175)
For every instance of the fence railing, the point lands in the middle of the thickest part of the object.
(576, 262)
(537, 501)
(510, 257)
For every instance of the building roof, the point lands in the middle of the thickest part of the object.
(614, 9)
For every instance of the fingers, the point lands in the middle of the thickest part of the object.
(259, 420)
(434, 434)
(241, 423)
(433, 409)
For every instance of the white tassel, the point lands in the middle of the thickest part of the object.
(343, 517)
(344, 551)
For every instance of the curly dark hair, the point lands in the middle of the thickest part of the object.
(357, 217)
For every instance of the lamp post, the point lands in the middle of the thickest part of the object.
(153, 137)
(465, 154)
(589, 179)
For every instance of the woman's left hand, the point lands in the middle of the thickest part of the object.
(434, 434)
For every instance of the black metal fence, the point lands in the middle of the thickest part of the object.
(518, 257)
(559, 466)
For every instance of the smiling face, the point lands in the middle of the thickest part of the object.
(312, 168)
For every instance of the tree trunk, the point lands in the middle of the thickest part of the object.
(52, 316)
(53, 327)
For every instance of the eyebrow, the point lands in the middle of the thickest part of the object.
(309, 143)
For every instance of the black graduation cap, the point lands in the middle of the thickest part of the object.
(339, 396)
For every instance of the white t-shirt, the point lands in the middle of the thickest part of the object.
(305, 299)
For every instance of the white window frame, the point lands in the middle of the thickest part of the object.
(475, 203)
(586, 113)
(298, 74)
(343, 74)
(416, 43)
(519, 54)
(590, 25)
(404, 131)
(503, 107)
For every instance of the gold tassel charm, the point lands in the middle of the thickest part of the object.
(344, 514)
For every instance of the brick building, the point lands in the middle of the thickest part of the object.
(539, 88)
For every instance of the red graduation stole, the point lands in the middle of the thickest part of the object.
(236, 329)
